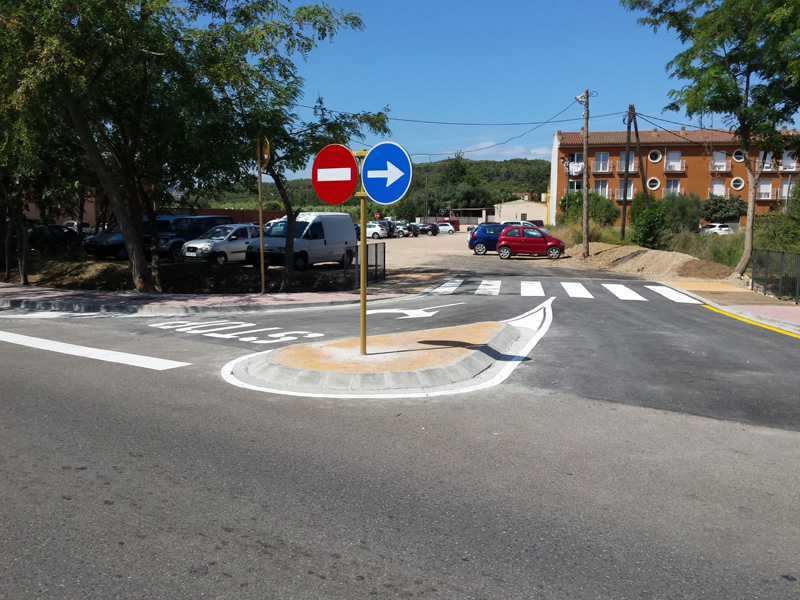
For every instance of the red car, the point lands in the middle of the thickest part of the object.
(528, 240)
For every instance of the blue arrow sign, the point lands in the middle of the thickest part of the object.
(386, 173)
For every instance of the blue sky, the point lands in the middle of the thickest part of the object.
(492, 63)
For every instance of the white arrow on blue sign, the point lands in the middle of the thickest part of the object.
(386, 172)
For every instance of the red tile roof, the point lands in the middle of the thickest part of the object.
(649, 137)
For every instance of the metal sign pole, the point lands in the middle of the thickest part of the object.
(362, 259)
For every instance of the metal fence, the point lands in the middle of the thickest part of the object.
(776, 273)
(376, 265)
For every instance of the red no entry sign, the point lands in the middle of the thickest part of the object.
(334, 174)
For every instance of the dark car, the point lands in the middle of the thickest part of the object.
(184, 229)
(484, 237)
(528, 240)
(405, 229)
(428, 229)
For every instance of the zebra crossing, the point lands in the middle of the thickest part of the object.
(572, 289)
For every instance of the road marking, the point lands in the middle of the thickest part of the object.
(531, 288)
(575, 290)
(488, 287)
(673, 295)
(212, 329)
(448, 287)
(749, 322)
(623, 292)
(134, 360)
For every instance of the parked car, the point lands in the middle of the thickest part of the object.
(428, 229)
(528, 240)
(535, 223)
(376, 230)
(453, 222)
(222, 244)
(318, 238)
(445, 227)
(109, 242)
(405, 229)
(183, 229)
(718, 228)
(484, 237)
(85, 228)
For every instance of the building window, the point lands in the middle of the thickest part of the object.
(786, 187)
(574, 185)
(717, 187)
(737, 183)
(601, 188)
(601, 164)
(653, 184)
(788, 162)
(720, 161)
(765, 161)
(630, 159)
(674, 163)
(738, 155)
(654, 156)
(575, 157)
(623, 194)
(672, 186)
(764, 190)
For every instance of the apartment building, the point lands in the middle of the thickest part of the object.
(704, 162)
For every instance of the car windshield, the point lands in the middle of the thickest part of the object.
(180, 225)
(220, 232)
(279, 229)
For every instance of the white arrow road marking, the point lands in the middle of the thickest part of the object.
(411, 313)
(391, 174)
(533, 326)
(134, 360)
(335, 174)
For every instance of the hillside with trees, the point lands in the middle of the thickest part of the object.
(451, 183)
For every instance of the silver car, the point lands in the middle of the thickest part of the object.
(221, 244)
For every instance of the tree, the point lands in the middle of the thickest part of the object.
(601, 209)
(682, 213)
(741, 61)
(718, 209)
(164, 94)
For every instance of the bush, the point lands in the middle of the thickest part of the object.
(724, 249)
(718, 209)
(601, 209)
(649, 227)
(682, 213)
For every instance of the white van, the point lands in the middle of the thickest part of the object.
(318, 238)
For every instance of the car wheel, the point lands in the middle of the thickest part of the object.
(400, 234)
(553, 252)
(300, 262)
(430, 232)
(220, 258)
(480, 248)
(504, 252)
(376, 235)
(174, 254)
(452, 231)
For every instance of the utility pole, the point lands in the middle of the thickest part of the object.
(584, 99)
(645, 191)
(628, 120)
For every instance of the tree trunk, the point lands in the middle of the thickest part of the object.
(22, 245)
(121, 204)
(753, 175)
(287, 281)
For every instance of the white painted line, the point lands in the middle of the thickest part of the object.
(448, 287)
(134, 360)
(531, 288)
(576, 290)
(673, 295)
(335, 174)
(488, 288)
(623, 292)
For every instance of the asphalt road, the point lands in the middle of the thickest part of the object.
(648, 449)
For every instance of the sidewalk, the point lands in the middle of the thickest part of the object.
(421, 363)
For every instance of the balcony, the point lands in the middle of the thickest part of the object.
(790, 167)
(666, 192)
(721, 166)
(620, 195)
(678, 166)
(633, 167)
(766, 167)
(724, 192)
(769, 194)
(601, 166)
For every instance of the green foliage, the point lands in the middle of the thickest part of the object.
(723, 249)
(650, 227)
(682, 213)
(718, 209)
(601, 209)
(637, 205)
